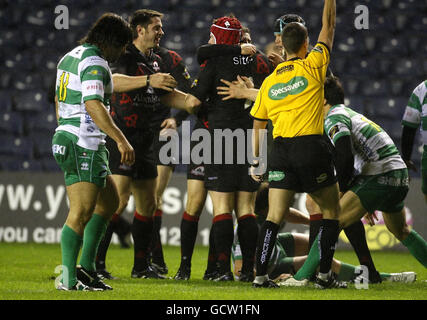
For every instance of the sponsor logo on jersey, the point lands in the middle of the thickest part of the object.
(285, 69)
(156, 66)
(333, 131)
(84, 166)
(56, 148)
(295, 86)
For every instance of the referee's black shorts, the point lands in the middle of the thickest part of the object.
(302, 164)
(144, 167)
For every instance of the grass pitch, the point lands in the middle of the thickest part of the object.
(26, 272)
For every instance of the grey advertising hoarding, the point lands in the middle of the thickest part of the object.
(33, 208)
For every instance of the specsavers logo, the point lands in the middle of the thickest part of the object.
(378, 236)
(281, 90)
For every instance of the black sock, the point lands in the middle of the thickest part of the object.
(357, 237)
(223, 237)
(315, 224)
(189, 226)
(212, 258)
(266, 240)
(156, 249)
(101, 254)
(247, 232)
(142, 228)
(328, 239)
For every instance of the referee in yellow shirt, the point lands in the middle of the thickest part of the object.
(292, 98)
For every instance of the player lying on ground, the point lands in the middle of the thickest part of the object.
(289, 254)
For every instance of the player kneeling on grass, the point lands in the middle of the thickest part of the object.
(370, 167)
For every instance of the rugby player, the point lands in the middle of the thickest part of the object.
(196, 191)
(292, 97)
(142, 87)
(83, 90)
(243, 88)
(416, 116)
(377, 177)
(289, 254)
(228, 185)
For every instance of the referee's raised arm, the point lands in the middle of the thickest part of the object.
(328, 23)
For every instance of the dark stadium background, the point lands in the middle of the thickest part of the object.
(379, 67)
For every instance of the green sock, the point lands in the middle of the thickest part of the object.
(346, 272)
(310, 265)
(417, 246)
(70, 247)
(384, 275)
(94, 231)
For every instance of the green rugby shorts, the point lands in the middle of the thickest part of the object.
(80, 164)
(385, 192)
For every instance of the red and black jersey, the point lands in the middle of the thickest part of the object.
(175, 65)
(138, 109)
(231, 113)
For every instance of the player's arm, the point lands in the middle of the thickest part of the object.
(124, 83)
(181, 101)
(407, 143)
(257, 169)
(103, 120)
(328, 23)
(57, 108)
(344, 163)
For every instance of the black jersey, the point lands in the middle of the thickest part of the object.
(174, 65)
(140, 108)
(233, 113)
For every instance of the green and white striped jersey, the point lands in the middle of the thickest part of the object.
(82, 75)
(374, 151)
(416, 110)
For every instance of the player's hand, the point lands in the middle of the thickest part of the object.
(370, 218)
(275, 59)
(163, 81)
(248, 82)
(254, 172)
(411, 165)
(127, 153)
(169, 123)
(233, 90)
(248, 49)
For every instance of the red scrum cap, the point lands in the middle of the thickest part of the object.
(226, 30)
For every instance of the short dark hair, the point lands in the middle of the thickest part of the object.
(334, 92)
(109, 30)
(142, 17)
(281, 22)
(293, 37)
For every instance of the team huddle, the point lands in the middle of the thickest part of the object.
(114, 95)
